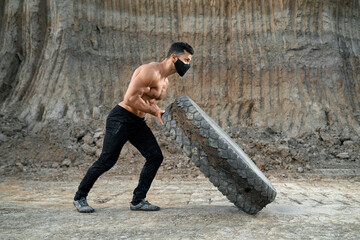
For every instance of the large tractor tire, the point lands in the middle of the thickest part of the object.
(219, 158)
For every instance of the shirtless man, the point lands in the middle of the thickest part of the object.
(126, 122)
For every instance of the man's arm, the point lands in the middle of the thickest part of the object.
(139, 85)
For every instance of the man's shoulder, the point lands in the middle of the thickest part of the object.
(150, 69)
(152, 66)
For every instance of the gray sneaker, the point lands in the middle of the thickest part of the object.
(82, 206)
(144, 206)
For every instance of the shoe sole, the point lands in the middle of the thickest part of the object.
(144, 210)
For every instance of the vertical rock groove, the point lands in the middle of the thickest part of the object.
(292, 65)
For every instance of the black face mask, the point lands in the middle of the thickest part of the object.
(181, 67)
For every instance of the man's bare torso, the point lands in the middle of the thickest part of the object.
(148, 83)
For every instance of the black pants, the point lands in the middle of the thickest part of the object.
(123, 126)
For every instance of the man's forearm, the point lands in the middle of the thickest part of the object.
(139, 104)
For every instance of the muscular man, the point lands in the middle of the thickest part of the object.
(126, 122)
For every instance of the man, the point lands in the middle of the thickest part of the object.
(126, 122)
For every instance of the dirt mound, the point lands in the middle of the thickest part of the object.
(64, 144)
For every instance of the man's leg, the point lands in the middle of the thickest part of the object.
(116, 136)
(112, 146)
(146, 143)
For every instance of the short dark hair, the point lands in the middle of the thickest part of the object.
(179, 47)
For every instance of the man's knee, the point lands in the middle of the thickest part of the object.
(106, 162)
(157, 157)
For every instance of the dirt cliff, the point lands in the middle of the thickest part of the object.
(290, 65)
(281, 77)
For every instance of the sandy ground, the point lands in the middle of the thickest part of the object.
(191, 209)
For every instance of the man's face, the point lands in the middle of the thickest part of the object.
(185, 57)
(182, 62)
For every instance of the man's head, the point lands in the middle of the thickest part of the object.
(181, 54)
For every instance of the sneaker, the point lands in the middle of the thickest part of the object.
(144, 206)
(82, 206)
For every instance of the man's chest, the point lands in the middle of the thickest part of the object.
(157, 89)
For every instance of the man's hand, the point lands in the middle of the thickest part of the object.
(158, 114)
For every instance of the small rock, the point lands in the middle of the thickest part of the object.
(65, 163)
(98, 152)
(270, 131)
(97, 135)
(96, 113)
(291, 141)
(88, 149)
(20, 166)
(348, 143)
(343, 155)
(3, 138)
(300, 170)
(289, 167)
(308, 167)
(172, 150)
(88, 139)
(329, 139)
(55, 165)
(344, 138)
(99, 143)
(169, 168)
(284, 151)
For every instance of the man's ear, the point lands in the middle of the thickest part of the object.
(174, 57)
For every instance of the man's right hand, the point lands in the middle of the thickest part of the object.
(158, 114)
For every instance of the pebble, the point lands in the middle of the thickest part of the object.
(88, 149)
(3, 138)
(98, 152)
(88, 139)
(172, 150)
(343, 155)
(96, 114)
(19, 164)
(300, 170)
(348, 143)
(99, 143)
(65, 163)
(55, 165)
(97, 135)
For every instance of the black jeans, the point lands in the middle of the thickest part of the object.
(123, 126)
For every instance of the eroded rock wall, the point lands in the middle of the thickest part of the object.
(291, 65)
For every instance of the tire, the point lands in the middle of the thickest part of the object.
(219, 158)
